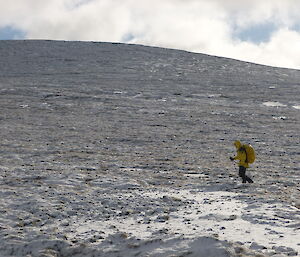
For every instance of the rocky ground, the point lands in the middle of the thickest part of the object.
(123, 150)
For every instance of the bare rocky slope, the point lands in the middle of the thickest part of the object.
(90, 130)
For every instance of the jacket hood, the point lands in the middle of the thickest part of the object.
(237, 144)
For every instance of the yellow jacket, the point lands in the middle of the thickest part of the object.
(241, 154)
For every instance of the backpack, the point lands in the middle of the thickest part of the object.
(250, 153)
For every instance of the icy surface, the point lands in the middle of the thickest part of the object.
(123, 150)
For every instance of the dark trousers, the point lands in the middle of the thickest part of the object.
(242, 174)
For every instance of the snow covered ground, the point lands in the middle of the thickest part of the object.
(123, 150)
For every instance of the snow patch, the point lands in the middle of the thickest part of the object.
(274, 104)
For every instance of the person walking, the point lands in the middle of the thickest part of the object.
(243, 162)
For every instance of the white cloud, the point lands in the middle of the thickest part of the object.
(284, 48)
(207, 26)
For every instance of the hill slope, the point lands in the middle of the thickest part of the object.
(123, 143)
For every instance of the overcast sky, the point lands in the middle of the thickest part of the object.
(260, 31)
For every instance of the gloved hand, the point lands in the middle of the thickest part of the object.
(231, 158)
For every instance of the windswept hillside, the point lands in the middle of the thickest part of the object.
(110, 148)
